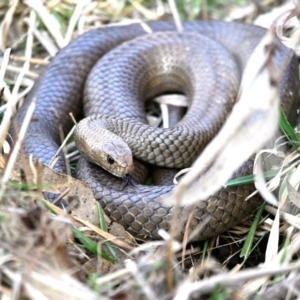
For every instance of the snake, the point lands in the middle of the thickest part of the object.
(105, 76)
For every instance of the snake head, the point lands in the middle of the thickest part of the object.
(116, 157)
(101, 147)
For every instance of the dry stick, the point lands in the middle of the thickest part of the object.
(226, 280)
(73, 153)
(36, 61)
(149, 14)
(107, 236)
(6, 91)
(133, 269)
(17, 146)
(186, 239)
(74, 156)
(176, 211)
(13, 101)
(11, 104)
(280, 174)
(32, 167)
(45, 40)
(293, 220)
(39, 176)
(18, 70)
(172, 99)
(261, 184)
(149, 246)
(48, 20)
(55, 157)
(204, 10)
(17, 279)
(3, 108)
(112, 276)
(175, 15)
(5, 25)
(73, 21)
(284, 290)
(61, 133)
(25, 92)
(63, 194)
(73, 118)
(3, 68)
(62, 283)
(293, 41)
(4, 64)
(288, 253)
(71, 146)
(64, 149)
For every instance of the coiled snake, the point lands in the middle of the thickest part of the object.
(205, 62)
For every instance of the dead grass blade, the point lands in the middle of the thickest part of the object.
(207, 285)
(74, 19)
(49, 21)
(175, 15)
(5, 24)
(17, 145)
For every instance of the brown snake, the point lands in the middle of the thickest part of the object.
(205, 63)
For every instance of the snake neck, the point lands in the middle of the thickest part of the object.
(175, 147)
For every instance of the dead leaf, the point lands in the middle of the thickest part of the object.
(79, 196)
(84, 207)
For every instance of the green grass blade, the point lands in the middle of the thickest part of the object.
(101, 217)
(288, 130)
(250, 179)
(104, 228)
(247, 248)
(91, 245)
(290, 134)
(205, 246)
(86, 241)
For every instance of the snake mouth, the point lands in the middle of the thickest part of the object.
(128, 181)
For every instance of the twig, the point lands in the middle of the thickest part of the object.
(13, 101)
(74, 19)
(36, 61)
(49, 21)
(207, 285)
(17, 146)
(175, 15)
(54, 159)
(4, 64)
(5, 25)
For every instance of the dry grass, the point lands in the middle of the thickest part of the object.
(39, 256)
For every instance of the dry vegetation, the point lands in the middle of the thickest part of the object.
(48, 254)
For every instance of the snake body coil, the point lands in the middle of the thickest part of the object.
(205, 64)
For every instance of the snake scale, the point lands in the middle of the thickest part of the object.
(204, 62)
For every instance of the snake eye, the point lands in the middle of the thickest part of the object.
(110, 160)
